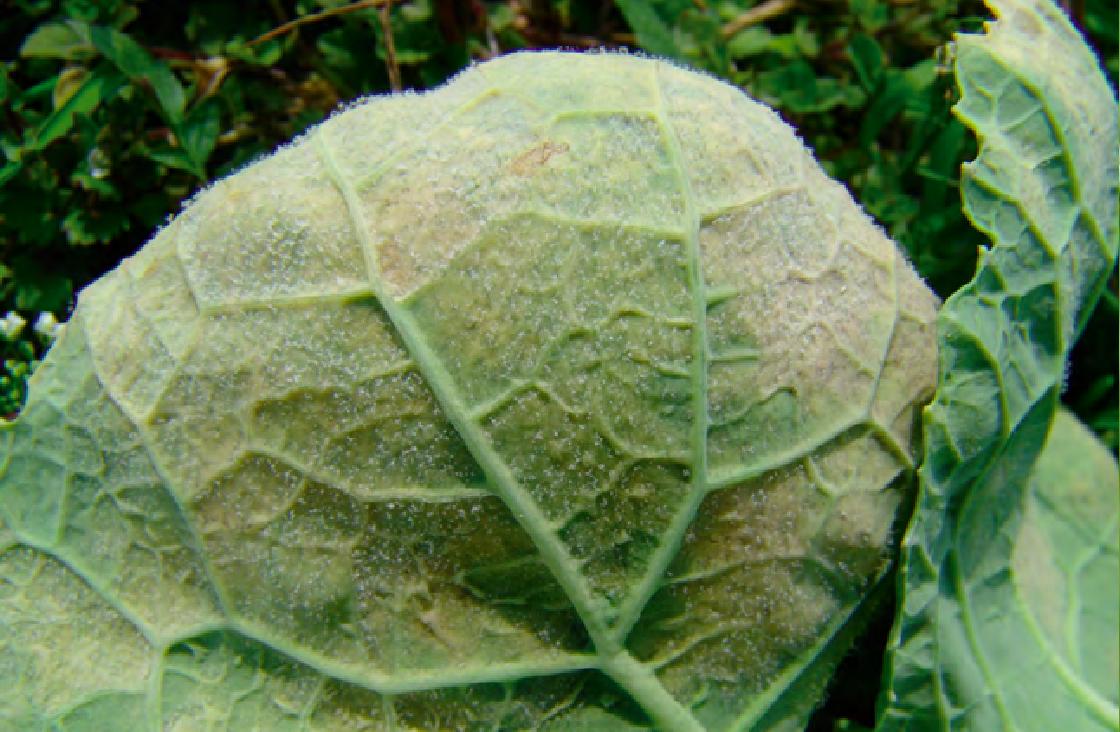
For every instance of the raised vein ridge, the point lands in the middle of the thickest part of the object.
(698, 439)
(614, 660)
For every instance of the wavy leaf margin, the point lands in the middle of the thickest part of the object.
(1044, 189)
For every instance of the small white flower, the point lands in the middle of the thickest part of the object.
(12, 325)
(47, 326)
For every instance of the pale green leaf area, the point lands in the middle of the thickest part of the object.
(1065, 561)
(570, 396)
(1008, 614)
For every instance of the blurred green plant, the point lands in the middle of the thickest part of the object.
(114, 112)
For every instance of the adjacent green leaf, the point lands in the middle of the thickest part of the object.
(99, 85)
(570, 396)
(872, 14)
(1065, 563)
(199, 133)
(69, 41)
(796, 87)
(173, 157)
(969, 651)
(654, 35)
(750, 42)
(10, 170)
(888, 101)
(867, 60)
(138, 65)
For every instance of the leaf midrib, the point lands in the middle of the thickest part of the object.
(614, 659)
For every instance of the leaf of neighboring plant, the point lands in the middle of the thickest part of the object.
(706, 41)
(965, 652)
(867, 59)
(98, 85)
(68, 41)
(652, 32)
(795, 87)
(889, 100)
(750, 42)
(9, 170)
(38, 288)
(937, 172)
(173, 157)
(1065, 559)
(199, 133)
(131, 58)
(871, 14)
(83, 227)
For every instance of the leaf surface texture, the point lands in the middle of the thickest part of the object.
(972, 647)
(572, 395)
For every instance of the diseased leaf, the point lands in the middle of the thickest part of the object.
(572, 395)
(967, 651)
(1065, 562)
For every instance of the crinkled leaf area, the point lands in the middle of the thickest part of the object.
(976, 644)
(570, 396)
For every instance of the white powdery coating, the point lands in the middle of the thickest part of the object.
(465, 386)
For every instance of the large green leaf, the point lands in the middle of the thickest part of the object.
(967, 651)
(1065, 562)
(572, 395)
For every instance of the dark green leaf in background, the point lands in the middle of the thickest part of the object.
(94, 88)
(69, 41)
(138, 65)
(652, 32)
(867, 60)
(199, 133)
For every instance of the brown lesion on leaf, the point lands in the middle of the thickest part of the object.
(536, 157)
(396, 264)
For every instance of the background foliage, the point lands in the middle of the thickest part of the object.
(114, 111)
